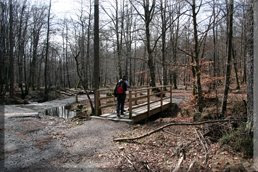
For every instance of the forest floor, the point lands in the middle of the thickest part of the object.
(56, 144)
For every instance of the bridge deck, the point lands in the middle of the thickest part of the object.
(138, 114)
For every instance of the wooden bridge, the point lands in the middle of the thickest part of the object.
(140, 104)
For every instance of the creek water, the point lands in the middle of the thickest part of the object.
(60, 112)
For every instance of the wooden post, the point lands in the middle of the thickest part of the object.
(130, 104)
(161, 98)
(148, 100)
(97, 103)
(76, 98)
(170, 94)
(135, 99)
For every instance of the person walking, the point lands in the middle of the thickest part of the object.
(120, 93)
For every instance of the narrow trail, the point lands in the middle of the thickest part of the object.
(55, 144)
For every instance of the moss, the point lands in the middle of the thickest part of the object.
(239, 140)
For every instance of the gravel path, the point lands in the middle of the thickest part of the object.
(57, 145)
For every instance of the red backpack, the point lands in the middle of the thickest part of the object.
(120, 89)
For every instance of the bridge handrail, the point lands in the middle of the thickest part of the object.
(134, 98)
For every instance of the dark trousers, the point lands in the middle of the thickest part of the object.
(120, 103)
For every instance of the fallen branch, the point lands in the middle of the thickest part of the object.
(173, 134)
(65, 93)
(25, 116)
(201, 141)
(204, 144)
(177, 168)
(191, 166)
(171, 124)
(129, 161)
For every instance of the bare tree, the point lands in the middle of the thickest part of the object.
(11, 50)
(88, 47)
(115, 18)
(196, 53)
(175, 41)
(22, 31)
(96, 49)
(3, 48)
(47, 51)
(38, 22)
(250, 65)
(230, 5)
(163, 11)
(149, 10)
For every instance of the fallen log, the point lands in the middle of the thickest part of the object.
(171, 124)
(65, 93)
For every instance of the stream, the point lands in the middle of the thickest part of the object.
(53, 108)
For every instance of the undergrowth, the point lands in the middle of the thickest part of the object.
(240, 141)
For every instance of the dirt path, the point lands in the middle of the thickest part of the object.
(57, 144)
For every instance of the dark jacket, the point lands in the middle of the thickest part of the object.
(124, 85)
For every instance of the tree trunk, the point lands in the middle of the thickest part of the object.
(250, 65)
(148, 16)
(175, 46)
(235, 67)
(119, 58)
(21, 49)
(196, 59)
(214, 31)
(229, 51)
(88, 50)
(47, 51)
(163, 39)
(66, 57)
(3, 49)
(96, 49)
(11, 49)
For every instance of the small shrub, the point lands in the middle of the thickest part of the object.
(239, 140)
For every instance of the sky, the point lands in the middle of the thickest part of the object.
(67, 8)
(64, 8)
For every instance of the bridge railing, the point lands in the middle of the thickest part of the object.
(105, 98)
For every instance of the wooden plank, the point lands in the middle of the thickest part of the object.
(130, 104)
(139, 106)
(97, 102)
(145, 115)
(148, 101)
(107, 105)
(105, 98)
(170, 93)
(113, 119)
(161, 100)
(153, 106)
(135, 95)
(141, 112)
(139, 98)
